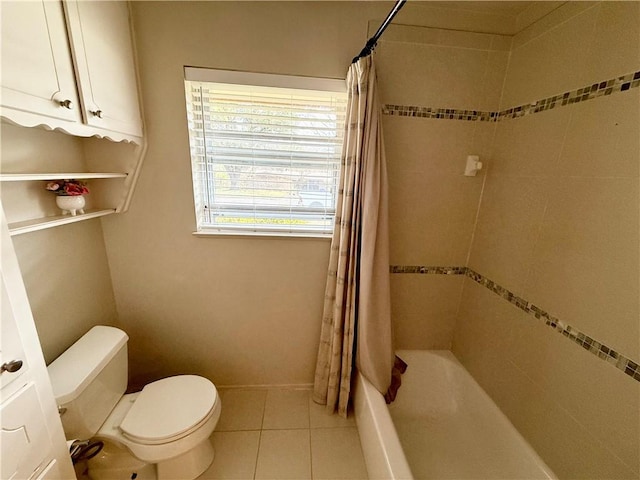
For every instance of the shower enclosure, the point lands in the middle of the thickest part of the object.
(529, 271)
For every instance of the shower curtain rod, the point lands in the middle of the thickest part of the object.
(371, 43)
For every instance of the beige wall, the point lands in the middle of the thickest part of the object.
(67, 278)
(238, 310)
(242, 310)
(559, 226)
(65, 269)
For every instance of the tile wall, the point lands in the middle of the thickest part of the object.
(558, 227)
(432, 204)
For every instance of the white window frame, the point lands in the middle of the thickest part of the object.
(195, 74)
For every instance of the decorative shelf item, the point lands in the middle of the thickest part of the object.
(71, 204)
(69, 195)
(18, 228)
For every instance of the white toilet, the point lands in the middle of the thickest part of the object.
(167, 424)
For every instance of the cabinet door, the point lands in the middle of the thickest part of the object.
(25, 444)
(101, 41)
(37, 71)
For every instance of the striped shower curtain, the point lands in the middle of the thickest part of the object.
(357, 306)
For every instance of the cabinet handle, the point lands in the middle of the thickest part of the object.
(96, 113)
(66, 104)
(11, 367)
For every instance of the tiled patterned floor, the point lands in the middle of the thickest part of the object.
(280, 434)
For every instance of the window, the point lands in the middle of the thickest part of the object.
(265, 151)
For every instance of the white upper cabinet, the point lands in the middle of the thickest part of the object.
(100, 38)
(37, 71)
(70, 65)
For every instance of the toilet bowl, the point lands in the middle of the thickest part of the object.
(168, 423)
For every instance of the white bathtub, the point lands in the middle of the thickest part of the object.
(441, 426)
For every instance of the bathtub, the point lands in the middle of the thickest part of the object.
(441, 426)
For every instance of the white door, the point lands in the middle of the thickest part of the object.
(32, 442)
(37, 70)
(103, 54)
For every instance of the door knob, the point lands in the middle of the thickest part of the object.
(97, 113)
(11, 367)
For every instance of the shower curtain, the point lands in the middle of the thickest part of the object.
(357, 312)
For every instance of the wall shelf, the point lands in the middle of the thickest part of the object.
(25, 177)
(26, 226)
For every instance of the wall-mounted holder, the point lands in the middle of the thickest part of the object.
(473, 165)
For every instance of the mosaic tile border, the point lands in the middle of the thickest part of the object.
(442, 113)
(602, 351)
(588, 92)
(427, 270)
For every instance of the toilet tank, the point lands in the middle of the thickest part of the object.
(88, 379)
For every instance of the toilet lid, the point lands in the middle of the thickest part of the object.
(168, 407)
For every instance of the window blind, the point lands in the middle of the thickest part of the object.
(264, 158)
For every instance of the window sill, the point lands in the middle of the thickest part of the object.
(274, 235)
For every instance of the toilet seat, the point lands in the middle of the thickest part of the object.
(169, 409)
(160, 451)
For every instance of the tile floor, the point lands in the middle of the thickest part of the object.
(279, 434)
